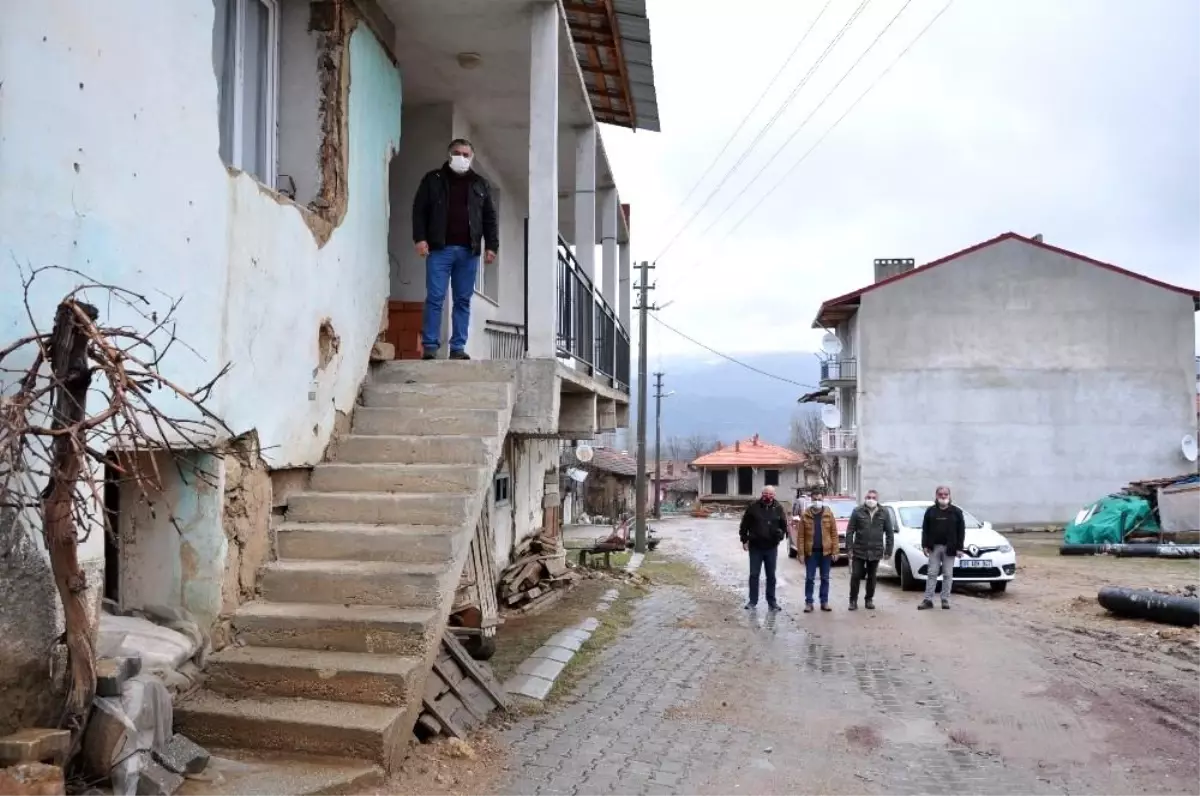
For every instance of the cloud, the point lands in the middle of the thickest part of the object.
(1078, 119)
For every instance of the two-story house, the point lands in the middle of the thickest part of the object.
(1029, 378)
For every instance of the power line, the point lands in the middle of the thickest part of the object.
(807, 119)
(833, 126)
(771, 84)
(734, 360)
(766, 128)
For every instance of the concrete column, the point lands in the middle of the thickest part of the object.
(626, 289)
(608, 247)
(585, 199)
(543, 179)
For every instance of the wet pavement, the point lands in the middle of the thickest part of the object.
(700, 696)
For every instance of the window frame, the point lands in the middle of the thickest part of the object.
(236, 144)
(767, 476)
(506, 480)
(712, 484)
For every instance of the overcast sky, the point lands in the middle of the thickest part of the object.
(1078, 119)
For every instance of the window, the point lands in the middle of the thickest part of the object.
(720, 482)
(246, 61)
(913, 516)
(500, 489)
(771, 477)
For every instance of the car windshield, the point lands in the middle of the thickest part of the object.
(842, 509)
(911, 517)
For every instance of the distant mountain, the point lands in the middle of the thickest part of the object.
(717, 398)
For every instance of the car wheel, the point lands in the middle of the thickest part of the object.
(793, 552)
(907, 581)
(999, 586)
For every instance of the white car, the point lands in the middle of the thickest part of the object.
(988, 557)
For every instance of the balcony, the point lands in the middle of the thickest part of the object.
(839, 441)
(839, 371)
(588, 331)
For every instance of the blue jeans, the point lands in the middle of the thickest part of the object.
(763, 558)
(811, 563)
(454, 268)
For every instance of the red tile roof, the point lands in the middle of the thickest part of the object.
(839, 309)
(751, 452)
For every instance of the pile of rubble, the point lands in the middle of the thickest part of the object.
(538, 576)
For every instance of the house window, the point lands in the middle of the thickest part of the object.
(771, 477)
(500, 489)
(720, 482)
(246, 61)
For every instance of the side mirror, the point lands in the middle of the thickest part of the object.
(987, 526)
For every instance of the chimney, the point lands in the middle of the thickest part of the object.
(1038, 237)
(756, 440)
(670, 468)
(888, 267)
(737, 446)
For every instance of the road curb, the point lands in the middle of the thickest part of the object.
(537, 674)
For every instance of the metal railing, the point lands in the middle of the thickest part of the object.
(839, 439)
(588, 330)
(505, 340)
(839, 370)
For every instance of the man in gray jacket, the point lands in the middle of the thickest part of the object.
(869, 538)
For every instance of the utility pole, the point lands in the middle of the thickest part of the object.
(643, 308)
(658, 396)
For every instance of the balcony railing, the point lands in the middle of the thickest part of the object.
(505, 340)
(588, 329)
(839, 370)
(839, 439)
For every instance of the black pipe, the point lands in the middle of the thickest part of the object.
(1155, 606)
(1132, 550)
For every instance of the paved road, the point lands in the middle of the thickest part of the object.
(703, 697)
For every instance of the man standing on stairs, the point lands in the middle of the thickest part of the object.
(453, 220)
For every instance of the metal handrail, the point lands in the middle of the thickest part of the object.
(588, 329)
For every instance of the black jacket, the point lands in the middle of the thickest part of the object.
(943, 526)
(763, 524)
(870, 537)
(429, 211)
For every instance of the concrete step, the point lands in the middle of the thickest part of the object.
(382, 630)
(246, 772)
(443, 371)
(435, 420)
(416, 449)
(408, 478)
(413, 544)
(336, 729)
(356, 677)
(355, 583)
(465, 395)
(380, 508)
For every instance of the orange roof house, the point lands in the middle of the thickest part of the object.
(738, 472)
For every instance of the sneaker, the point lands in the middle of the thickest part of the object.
(808, 608)
(854, 605)
(870, 605)
(945, 605)
(774, 608)
(428, 354)
(750, 606)
(825, 607)
(459, 355)
(925, 605)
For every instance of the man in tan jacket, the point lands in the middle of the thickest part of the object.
(819, 546)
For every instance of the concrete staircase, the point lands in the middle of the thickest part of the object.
(332, 659)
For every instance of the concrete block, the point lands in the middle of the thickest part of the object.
(398, 478)
(553, 653)
(469, 395)
(606, 414)
(528, 685)
(35, 745)
(622, 415)
(382, 351)
(183, 756)
(565, 641)
(312, 674)
(590, 624)
(381, 630)
(544, 668)
(577, 414)
(433, 420)
(414, 544)
(32, 779)
(380, 508)
(111, 674)
(379, 583)
(416, 449)
(156, 780)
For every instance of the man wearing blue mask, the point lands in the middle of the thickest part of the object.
(453, 221)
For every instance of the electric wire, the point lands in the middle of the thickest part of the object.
(732, 359)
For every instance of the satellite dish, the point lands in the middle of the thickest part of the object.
(831, 345)
(1188, 447)
(831, 416)
(584, 453)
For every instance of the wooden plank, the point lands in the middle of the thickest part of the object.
(472, 670)
(433, 687)
(475, 698)
(451, 729)
(454, 689)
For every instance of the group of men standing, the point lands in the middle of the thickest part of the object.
(870, 538)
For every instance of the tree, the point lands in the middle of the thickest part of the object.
(690, 447)
(805, 437)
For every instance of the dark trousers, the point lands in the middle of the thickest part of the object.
(812, 564)
(763, 558)
(859, 569)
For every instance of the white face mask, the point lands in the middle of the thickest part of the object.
(943, 502)
(816, 504)
(460, 164)
(871, 503)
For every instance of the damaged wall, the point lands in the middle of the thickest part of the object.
(528, 459)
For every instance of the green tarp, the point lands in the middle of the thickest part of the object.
(1109, 520)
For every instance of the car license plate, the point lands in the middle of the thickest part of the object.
(975, 563)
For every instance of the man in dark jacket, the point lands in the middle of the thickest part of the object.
(453, 220)
(764, 526)
(943, 533)
(869, 538)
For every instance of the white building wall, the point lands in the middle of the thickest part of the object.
(526, 461)
(1029, 381)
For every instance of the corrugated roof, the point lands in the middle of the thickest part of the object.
(612, 45)
(752, 452)
(607, 460)
(836, 310)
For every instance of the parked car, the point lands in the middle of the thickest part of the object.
(841, 505)
(987, 558)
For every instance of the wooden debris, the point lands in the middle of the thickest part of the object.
(459, 693)
(539, 567)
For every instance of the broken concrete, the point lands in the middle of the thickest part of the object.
(111, 674)
(32, 779)
(246, 519)
(183, 756)
(35, 745)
